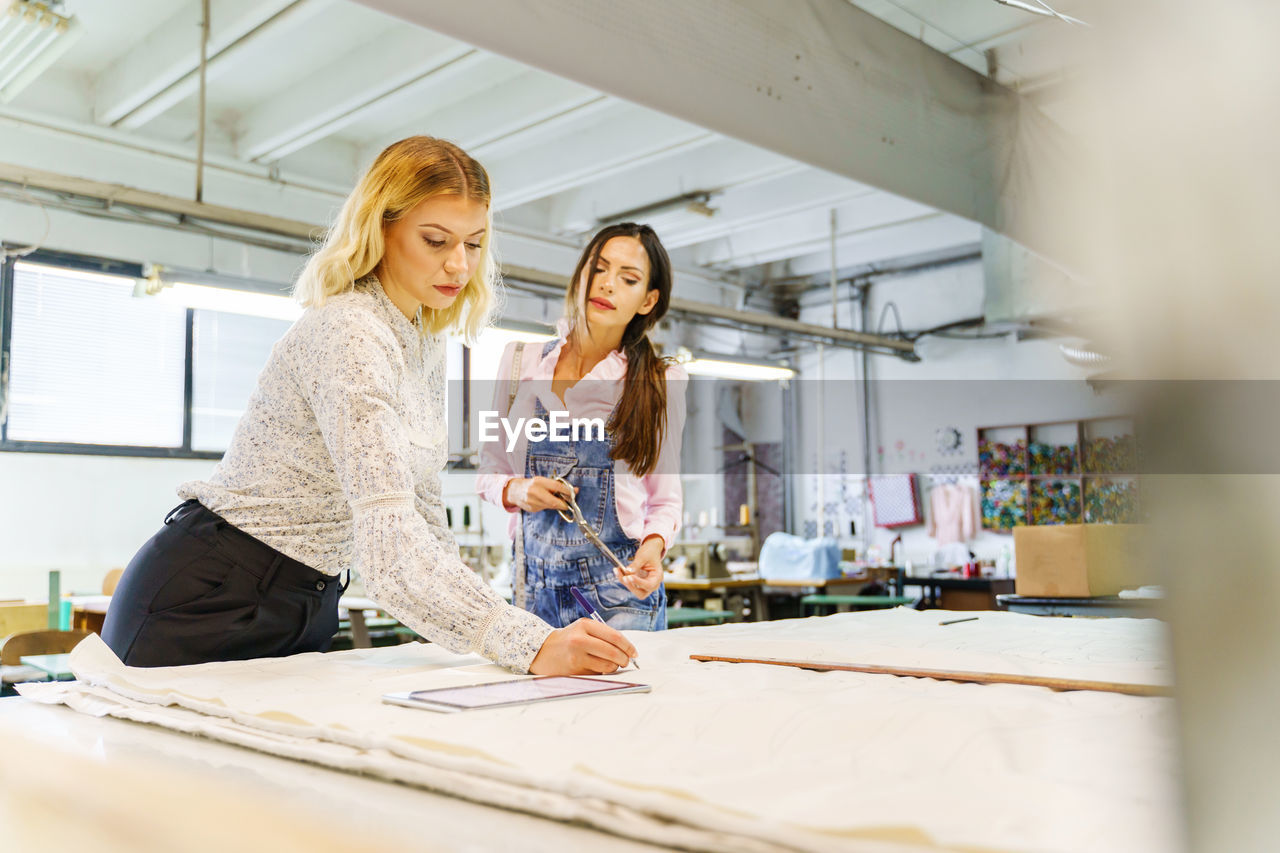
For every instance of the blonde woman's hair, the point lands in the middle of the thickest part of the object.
(405, 174)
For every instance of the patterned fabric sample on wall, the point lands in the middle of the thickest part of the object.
(894, 499)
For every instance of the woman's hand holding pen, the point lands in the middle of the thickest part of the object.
(585, 647)
(534, 494)
(644, 574)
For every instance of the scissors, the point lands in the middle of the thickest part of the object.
(573, 515)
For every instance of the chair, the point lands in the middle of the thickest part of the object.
(15, 646)
(110, 582)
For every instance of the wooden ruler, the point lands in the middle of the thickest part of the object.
(952, 675)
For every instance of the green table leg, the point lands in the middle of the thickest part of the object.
(55, 599)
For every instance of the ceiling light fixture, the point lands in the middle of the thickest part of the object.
(742, 368)
(32, 37)
(210, 291)
(524, 330)
(693, 202)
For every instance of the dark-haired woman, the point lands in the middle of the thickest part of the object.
(626, 481)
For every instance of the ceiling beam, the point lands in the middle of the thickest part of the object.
(719, 165)
(164, 68)
(123, 195)
(159, 202)
(943, 233)
(823, 82)
(620, 137)
(47, 142)
(795, 234)
(404, 68)
(768, 203)
(543, 117)
(519, 102)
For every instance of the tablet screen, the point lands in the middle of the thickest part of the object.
(522, 691)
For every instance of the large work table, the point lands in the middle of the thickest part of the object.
(718, 757)
(358, 807)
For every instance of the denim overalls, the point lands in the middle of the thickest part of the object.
(559, 556)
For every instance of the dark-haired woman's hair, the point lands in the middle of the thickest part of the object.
(639, 420)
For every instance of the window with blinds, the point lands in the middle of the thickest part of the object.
(90, 364)
(228, 352)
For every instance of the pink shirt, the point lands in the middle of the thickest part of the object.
(645, 505)
(951, 513)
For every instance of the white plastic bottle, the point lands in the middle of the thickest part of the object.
(1004, 565)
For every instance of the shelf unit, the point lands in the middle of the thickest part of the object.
(1058, 472)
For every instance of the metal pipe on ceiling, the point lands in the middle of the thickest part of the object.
(202, 108)
(167, 150)
(548, 285)
(161, 101)
(867, 272)
(835, 285)
(264, 223)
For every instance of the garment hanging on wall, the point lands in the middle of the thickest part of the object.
(951, 513)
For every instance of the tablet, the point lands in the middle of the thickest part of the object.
(500, 694)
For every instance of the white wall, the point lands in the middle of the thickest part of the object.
(82, 515)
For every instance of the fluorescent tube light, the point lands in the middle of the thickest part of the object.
(523, 330)
(733, 367)
(216, 292)
(230, 301)
(32, 37)
(490, 344)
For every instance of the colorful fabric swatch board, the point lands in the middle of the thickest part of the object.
(1111, 455)
(1000, 459)
(1055, 502)
(1053, 458)
(1108, 501)
(1004, 504)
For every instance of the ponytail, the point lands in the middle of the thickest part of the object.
(639, 420)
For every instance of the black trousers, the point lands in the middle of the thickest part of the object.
(202, 590)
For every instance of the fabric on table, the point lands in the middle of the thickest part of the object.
(739, 757)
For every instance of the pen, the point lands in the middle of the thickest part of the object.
(954, 621)
(591, 611)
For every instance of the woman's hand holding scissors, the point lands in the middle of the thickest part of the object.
(534, 494)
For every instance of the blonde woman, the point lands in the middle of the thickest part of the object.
(335, 463)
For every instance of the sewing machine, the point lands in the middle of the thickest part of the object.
(710, 559)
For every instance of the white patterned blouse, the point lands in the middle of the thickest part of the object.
(336, 464)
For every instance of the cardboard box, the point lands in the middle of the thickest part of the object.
(1079, 560)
